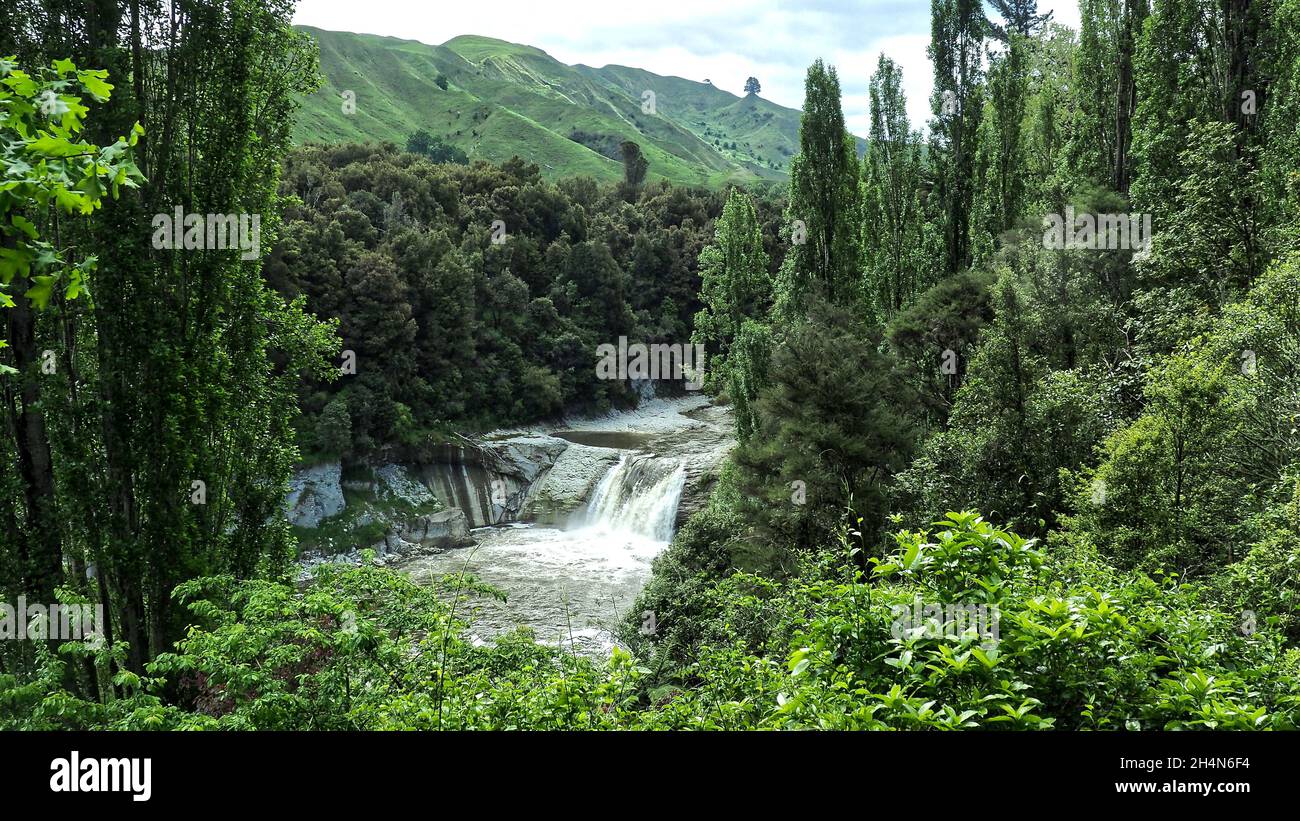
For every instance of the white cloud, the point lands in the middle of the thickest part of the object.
(1065, 12)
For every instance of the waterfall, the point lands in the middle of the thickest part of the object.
(639, 495)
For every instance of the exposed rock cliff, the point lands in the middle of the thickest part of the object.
(432, 500)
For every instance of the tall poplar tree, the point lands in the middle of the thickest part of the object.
(958, 28)
(891, 211)
(1000, 167)
(1203, 76)
(170, 419)
(822, 216)
(734, 281)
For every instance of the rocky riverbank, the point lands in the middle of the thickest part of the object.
(403, 505)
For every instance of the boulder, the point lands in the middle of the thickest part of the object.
(524, 457)
(445, 529)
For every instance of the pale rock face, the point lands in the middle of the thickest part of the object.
(566, 487)
(490, 479)
(397, 481)
(523, 456)
(315, 494)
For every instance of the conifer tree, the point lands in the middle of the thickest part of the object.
(1020, 17)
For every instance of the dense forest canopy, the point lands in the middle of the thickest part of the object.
(452, 326)
(1035, 362)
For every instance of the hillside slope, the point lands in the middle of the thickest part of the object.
(495, 100)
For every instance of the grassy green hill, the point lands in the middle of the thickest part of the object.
(494, 100)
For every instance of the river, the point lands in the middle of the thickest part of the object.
(573, 584)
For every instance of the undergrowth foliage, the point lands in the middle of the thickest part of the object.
(1078, 646)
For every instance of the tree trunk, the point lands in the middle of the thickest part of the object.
(41, 553)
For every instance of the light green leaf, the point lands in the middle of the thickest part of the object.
(14, 262)
(41, 291)
(23, 224)
(94, 83)
(52, 146)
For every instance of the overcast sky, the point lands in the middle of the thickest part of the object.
(721, 40)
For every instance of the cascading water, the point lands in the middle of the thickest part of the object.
(639, 495)
(573, 585)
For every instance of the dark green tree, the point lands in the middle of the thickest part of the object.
(892, 230)
(334, 430)
(734, 282)
(833, 427)
(958, 28)
(419, 142)
(435, 148)
(1018, 17)
(822, 214)
(635, 165)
